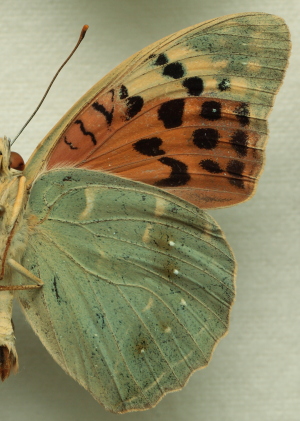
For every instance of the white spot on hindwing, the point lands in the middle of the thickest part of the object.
(149, 305)
(90, 201)
(176, 271)
(146, 236)
(168, 329)
(161, 204)
(183, 302)
(171, 243)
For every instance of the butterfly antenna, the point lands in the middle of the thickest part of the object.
(82, 34)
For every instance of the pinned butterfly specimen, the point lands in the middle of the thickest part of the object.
(129, 283)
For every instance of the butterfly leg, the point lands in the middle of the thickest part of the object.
(19, 200)
(25, 272)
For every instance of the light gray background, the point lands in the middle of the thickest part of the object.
(254, 373)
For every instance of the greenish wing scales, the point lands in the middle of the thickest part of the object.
(138, 284)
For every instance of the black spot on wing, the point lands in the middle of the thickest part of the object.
(70, 144)
(171, 112)
(112, 91)
(236, 169)
(239, 142)
(102, 110)
(134, 106)
(242, 114)
(123, 93)
(101, 319)
(85, 132)
(174, 70)
(160, 59)
(205, 138)
(224, 85)
(194, 85)
(211, 110)
(211, 166)
(149, 147)
(179, 175)
(55, 290)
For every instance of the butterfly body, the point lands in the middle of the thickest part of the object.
(13, 199)
(142, 279)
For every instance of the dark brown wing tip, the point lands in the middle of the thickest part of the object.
(8, 362)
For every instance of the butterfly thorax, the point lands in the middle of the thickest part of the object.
(12, 197)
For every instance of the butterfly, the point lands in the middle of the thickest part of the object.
(124, 277)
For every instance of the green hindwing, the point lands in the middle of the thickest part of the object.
(138, 284)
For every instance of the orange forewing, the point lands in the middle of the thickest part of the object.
(187, 114)
(216, 161)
